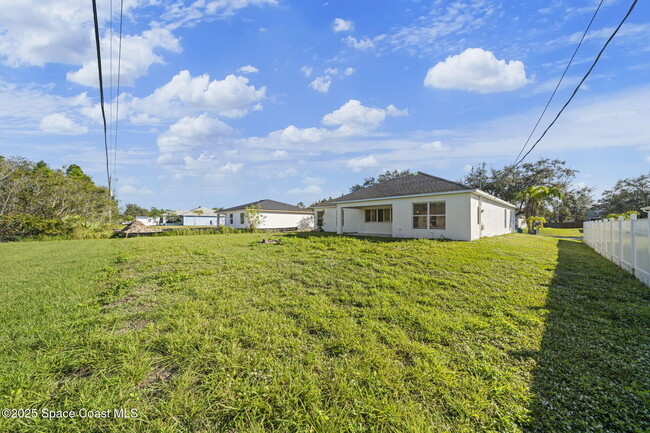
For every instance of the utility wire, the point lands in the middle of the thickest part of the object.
(117, 102)
(110, 72)
(580, 83)
(560, 82)
(101, 95)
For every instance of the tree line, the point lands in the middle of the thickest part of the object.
(36, 199)
(563, 199)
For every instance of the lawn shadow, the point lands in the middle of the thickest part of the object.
(593, 369)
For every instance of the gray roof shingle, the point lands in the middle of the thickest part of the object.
(270, 205)
(412, 184)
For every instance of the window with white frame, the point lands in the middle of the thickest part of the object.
(320, 217)
(379, 215)
(430, 215)
(232, 219)
(241, 218)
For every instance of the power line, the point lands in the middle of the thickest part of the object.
(117, 102)
(110, 69)
(101, 94)
(580, 83)
(560, 81)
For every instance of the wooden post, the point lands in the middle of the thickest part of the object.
(633, 242)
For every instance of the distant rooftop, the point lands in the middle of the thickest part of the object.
(270, 205)
(411, 184)
(199, 211)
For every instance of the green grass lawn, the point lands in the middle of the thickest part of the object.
(323, 333)
(566, 233)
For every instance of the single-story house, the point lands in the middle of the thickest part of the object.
(594, 214)
(273, 215)
(201, 216)
(151, 221)
(417, 206)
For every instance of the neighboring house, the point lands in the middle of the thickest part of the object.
(151, 221)
(594, 214)
(418, 206)
(274, 215)
(201, 216)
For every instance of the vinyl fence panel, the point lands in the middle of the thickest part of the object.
(626, 243)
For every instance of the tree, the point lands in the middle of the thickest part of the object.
(155, 212)
(574, 204)
(629, 194)
(301, 205)
(75, 172)
(534, 197)
(387, 175)
(35, 198)
(323, 200)
(132, 210)
(254, 217)
(509, 182)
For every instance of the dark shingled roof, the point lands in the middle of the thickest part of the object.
(270, 205)
(412, 184)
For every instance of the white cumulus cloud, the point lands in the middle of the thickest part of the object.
(134, 191)
(341, 25)
(231, 167)
(138, 54)
(309, 189)
(185, 95)
(321, 84)
(38, 32)
(359, 44)
(354, 117)
(59, 123)
(248, 69)
(358, 164)
(478, 70)
(192, 132)
(307, 70)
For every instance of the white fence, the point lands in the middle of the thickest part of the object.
(624, 242)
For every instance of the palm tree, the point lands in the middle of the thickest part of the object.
(534, 197)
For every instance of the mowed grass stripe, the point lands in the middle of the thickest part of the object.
(325, 333)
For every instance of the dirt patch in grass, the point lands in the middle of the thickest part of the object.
(132, 326)
(157, 375)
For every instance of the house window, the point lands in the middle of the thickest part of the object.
(231, 219)
(429, 215)
(342, 218)
(241, 218)
(378, 215)
(320, 216)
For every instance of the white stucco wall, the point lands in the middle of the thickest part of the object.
(460, 222)
(496, 218)
(148, 221)
(329, 218)
(456, 221)
(274, 220)
(200, 221)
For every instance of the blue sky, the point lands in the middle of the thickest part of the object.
(229, 101)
